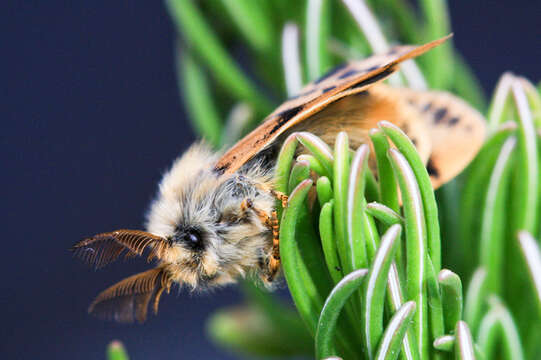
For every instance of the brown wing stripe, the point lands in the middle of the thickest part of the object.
(285, 116)
(382, 75)
(341, 81)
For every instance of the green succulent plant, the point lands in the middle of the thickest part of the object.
(372, 276)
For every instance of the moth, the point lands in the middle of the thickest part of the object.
(214, 218)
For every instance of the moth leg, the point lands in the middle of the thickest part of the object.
(277, 194)
(274, 261)
(280, 196)
(247, 204)
(271, 222)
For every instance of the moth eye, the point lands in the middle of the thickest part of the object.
(193, 239)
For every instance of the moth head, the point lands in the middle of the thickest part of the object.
(196, 230)
(213, 241)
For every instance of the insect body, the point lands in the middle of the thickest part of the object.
(214, 218)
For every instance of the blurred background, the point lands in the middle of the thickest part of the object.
(92, 116)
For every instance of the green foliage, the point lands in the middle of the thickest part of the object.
(329, 35)
(364, 265)
(263, 327)
(116, 351)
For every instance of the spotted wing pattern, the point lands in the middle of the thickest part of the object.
(342, 81)
(455, 129)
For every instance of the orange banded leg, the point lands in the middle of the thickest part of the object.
(247, 204)
(271, 222)
(268, 189)
(274, 261)
(280, 196)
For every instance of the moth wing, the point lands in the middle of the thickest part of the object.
(446, 131)
(128, 299)
(456, 131)
(357, 114)
(345, 80)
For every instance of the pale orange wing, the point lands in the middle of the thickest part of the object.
(342, 81)
(455, 129)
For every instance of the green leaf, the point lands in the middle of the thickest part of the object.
(252, 19)
(395, 301)
(510, 336)
(488, 334)
(283, 168)
(479, 173)
(314, 163)
(198, 96)
(355, 206)
(283, 164)
(416, 250)
(493, 218)
(464, 349)
(391, 341)
(387, 181)
(532, 255)
(523, 212)
(439, 61)
(309, 255)
(207, 45)
(475, 299)
(444, 343)
(291, 59)
(534, 100)
(299, 172)
(406, 147)
(251, 331)
(317, 32)
(370, 28)
(372, 192)
(340, 186)
(116, 351)
(451, 298)
(497, 327)
(528, 165)
(301, 284)
(321, 151)
(326, 326)
(374, 289)
(326, 232)
(324, 190)
(403, 18)
(384, 214)
(435, 306)
(500, 105)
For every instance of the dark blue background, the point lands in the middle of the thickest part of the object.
(91, 117)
